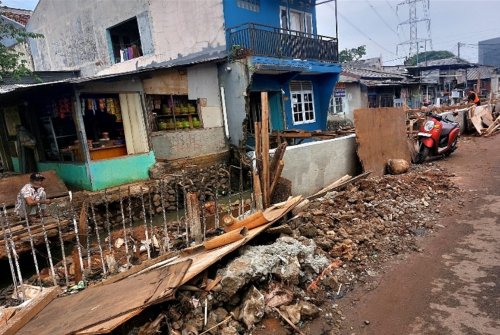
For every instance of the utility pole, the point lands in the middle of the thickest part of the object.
(458, 49)
(413, 21)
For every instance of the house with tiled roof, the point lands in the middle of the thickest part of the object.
(17, 18)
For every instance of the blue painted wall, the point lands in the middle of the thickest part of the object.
(74, 175)
(269, 13)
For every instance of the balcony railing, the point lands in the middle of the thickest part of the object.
(260, 40)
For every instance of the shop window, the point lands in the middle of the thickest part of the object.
(302, 102)
(58, 131)
(125, 41)
(336, 105)
(173, 112)
(102, 118)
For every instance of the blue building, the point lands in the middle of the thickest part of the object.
(273, 46)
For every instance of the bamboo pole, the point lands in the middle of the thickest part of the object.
(254, 220)
(226, 238)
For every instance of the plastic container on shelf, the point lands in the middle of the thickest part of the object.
(196, 123)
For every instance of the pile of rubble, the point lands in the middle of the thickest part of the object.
(330, 245)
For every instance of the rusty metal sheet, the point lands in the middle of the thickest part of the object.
(381, 135)
(98, 304)
(10, 186)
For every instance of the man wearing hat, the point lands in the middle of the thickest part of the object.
(30, 196)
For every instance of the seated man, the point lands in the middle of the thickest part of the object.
(30, 196)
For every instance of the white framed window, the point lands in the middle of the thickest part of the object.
(336, 105)
(302, 102)
(296, 20)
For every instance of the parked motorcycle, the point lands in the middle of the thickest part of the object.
(437, 136)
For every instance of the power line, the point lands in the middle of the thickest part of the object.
(364, 34)
(382, 19)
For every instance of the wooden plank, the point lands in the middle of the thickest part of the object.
(108, 326)
(10, 186)
(338, 184)
(99, 304)
(167, 82)
(26, 313)
(276, 176)
(381, 135)
(265, 150)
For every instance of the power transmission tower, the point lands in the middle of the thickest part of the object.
(413, 20)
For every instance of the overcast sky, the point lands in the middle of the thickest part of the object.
(374, 23)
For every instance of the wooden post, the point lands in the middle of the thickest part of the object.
(257, 190)
(193, 215)
(265, 149)
(277, 175)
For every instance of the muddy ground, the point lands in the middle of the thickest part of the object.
(452, 286)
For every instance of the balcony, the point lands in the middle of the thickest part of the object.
(259, 40)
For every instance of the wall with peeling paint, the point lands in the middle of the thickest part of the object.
(233, 77)
(188, 143)
(76, 35)
(313, 165)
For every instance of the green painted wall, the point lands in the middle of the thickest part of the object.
(73, 174)
(117, 171)
(15, 164)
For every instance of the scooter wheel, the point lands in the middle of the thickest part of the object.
(452, 149)
(421, 155)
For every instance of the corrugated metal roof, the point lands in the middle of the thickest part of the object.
(482, 72)
(183, 61)
(452, 61)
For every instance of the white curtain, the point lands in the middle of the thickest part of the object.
(136, 137)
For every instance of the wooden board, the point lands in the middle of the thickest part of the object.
(381, 135)
(167, 82)
(10, 186)
(99, 304)
(23, 315)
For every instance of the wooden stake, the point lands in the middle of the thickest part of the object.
(265, 149)
(193, 214)
(257, 190)
(277, 175)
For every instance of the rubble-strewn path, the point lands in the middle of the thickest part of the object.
(452, 287)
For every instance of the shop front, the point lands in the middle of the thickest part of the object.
(93, 134)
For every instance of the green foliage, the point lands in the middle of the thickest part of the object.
(354, 54)
(11, 62)
(428, 55)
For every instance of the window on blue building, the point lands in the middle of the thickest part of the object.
(252, 5)
(302, 102)
(291, 19)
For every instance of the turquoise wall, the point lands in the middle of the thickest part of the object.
(73, 174)
(105, 173)
(15, 164)
(118, 171)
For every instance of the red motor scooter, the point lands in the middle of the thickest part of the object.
(437, 136)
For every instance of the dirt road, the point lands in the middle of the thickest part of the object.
(453, 285)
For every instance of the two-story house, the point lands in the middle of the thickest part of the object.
(166, 80)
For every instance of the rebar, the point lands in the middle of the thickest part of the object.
(203, 218)
(47, 245)
(216, 204)
(92, 208)
(14, 253)
(108, 222)
(75, 226)
(145, 223)
(150, 205)
(124, 225)
(166, 239)
(9, 256)
(177, 208)
(63, 252)
(186, 223)
(87, 232)
(32, 245)
(129, 211)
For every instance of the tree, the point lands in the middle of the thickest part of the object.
(427, 56)
(12, 63)
(350, 55)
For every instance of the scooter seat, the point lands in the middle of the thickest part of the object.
(448, 127)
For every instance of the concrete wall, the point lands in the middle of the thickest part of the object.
(76, 34)
(235, 83)
(312, 166)
(461, 118)
(188, 143)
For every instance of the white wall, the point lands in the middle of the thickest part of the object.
(312, 166)
(76, 32)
